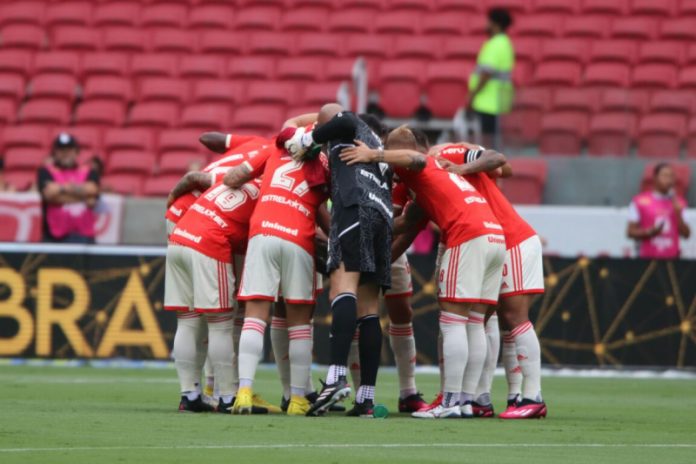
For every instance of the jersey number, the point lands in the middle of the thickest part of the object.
(228, 199)
(460, 182)
(282, 179)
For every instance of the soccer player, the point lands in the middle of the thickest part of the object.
(280, 256)
(359, 253)
(200, 277)
(471, 269)
(523, 277)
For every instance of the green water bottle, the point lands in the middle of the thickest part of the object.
(380, 411)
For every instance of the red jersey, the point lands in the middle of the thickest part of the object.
(217, 224)
(516, 229)
(288, 205)
(399, 195)
(238, 153)
(451, 202)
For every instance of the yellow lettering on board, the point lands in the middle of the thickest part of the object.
(12, 308)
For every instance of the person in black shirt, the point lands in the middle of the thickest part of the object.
(359, 260)
(69, 193)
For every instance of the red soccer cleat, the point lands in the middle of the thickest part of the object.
(482, 410)
(412, 403)
(526, 409)
(436, 402)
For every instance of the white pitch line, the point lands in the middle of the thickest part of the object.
(355, 446)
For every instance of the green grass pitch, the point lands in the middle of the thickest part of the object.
(90, 415)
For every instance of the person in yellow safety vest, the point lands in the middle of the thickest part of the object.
(490, 85)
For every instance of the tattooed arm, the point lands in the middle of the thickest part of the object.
(361, 153)
(488, 160)
(194, 180)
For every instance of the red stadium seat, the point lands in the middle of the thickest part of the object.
(418, 47)
(258, 119)
(581, 100)
(686, 8)
(468, 6)
(261, 3)
(104, 64)
(398, 22)
(654, 76)
(129, 161)
(422, 6)
(164, 15)
(181, 140)
(159, 186)
(89, 138)
(201, 66)
(446, 86)
(21, 180)
(560, 73)
(543, 26)
(368, 46)
(16, 62)
(613, 51)
(529, 106)
(222, 42)
(12, 87)
(154, 115)
(24, 158)
(177, 163)
(125, 184)
(77, 38)
(565, 50)
(208, 17)
(174, 41)
(591, 27)
(10, 225)
(45, 112)
(8, 110)
(305, 20)
(516, 7)
(25, 136)
(23, 36)
(607, 75)
(661, 135)
(460, 48)
(611, 134)
(615, 7)
(691, 140)
(637, 28)
(279, 93)
(678, 29)
(153, 65)
(400, 87)
(526, 50)
(624, 100)
(100, 113)
(53, 86)
(653, 8)
(673, 101)
(132, 139)
(373, 6)
(445, 23)
(117, 14)
(340, 70)
(687, 78)
(566, 7)
(257, 19)
(317, 94)
(125, 39)
(271, 44)
(213, 91)
(690, 57)
(526, 186)
(70, 13)
(327, 45)
(108, 88)
(163, 89)
(22, 12)
(562, 133)
(55, 62)
(251, 67)
(300, 69)
(661, 52)
(352, 21)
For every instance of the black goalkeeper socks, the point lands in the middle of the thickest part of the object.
(344, 309)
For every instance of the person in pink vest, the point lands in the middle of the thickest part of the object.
(656, 219)
(69, 193)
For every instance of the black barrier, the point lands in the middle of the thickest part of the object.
(595, 312)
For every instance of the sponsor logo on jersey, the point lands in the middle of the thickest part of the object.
(373, 178)
(474, 199)
(176, 211)
(209, 213)
(492, 225)
(496, 239)
(187, 235)
(377, 200)
(287, 202)
(280, 228)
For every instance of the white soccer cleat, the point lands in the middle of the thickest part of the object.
(439, 412)
(467, 410)
(295, 145)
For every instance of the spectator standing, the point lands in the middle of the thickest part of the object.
(69, 193)
(656, 218)
(490, 85)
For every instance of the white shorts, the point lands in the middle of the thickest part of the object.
(523, 271)
(401, 278)
(196, 282)
(471, 272)
(272, 265)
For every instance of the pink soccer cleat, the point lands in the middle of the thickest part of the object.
(526, 409)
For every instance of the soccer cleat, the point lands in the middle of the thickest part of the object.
(259, 402)
(526, 409)
(284, 403)
(244, 402)
(197, 405)
(412, 403)
(439, 412)
(466, 410)
(224, 408)
(512, 403)
(329, 395)
(211, 400)
(436, 402)
(336, 407)
(298, 406)
(364, 409)
(482, 410)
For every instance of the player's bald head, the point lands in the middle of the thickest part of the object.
(401, 138)
(328, 111)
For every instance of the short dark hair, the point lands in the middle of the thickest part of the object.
(501, 17)
(659, 167)
(421, 138)
(375, 124)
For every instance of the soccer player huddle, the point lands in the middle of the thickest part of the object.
(249, 233)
